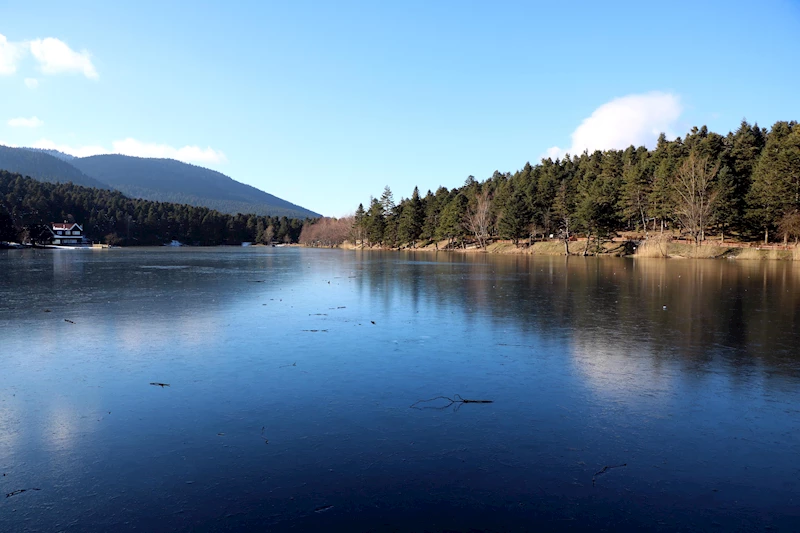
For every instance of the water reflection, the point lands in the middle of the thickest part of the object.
(744, 313)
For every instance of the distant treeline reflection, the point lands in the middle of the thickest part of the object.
(696, 311)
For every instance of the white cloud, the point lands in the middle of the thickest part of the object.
(636, 119)
(79, 151)
(33, 122)
(55, 57)
(187, 153)
(133, 147)
(10, 54)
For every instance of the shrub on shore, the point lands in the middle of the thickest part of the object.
(656, 246)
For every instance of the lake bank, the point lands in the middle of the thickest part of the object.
(619, 248)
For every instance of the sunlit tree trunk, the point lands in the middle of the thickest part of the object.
(478, 217)
(694, 197)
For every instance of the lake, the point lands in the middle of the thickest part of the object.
(271, 389)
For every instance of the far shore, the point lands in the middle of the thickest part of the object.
(648, 248)
(658, 248)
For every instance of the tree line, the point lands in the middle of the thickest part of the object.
(743, 185)
(27, 207)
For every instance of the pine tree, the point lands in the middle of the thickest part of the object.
(745, 148)
(432, 212)
(563, 213)
(7, 230)
(776, 179)
(451, 220)
(598, 196)
(387, 201)
(375, 222)
(637, 189)
(359, 223)
(725, 204)
(411, 219)
(515, 219)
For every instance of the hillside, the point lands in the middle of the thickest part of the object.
(28, 205)
(167, 180)
(54, 153)
(42, 166)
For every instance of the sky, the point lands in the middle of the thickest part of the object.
(324, 103)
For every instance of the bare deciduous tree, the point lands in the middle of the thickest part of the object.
(478, 217)
(357, 233)
(789, 225)
(693, 195)
(326, 231)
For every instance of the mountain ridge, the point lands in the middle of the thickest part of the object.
(155, 179)
(55, 153)
(42, 166)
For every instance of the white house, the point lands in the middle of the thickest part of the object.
(66, 234)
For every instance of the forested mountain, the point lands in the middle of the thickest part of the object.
(167, 180)
(41, 165)
(745, 184)
(161, 180)
(27, 205)
(54, 153)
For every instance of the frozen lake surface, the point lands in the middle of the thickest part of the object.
(291, 373)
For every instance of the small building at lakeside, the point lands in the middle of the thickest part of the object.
(66, 233)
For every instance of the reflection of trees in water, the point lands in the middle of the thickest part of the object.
(744, 314)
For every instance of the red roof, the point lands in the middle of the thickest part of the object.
(65, 225)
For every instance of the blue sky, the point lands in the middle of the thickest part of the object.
(324, 103)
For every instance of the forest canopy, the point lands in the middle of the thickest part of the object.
(745, 184)
(27, 206)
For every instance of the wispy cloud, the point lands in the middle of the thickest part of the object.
(56, 57)
(636, 119)
(21, 122)
(193, 154)
(10, 55)
(133, 147)
(77, 151)
(31, 83)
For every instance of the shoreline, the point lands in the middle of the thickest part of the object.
(620, 248)
(641, 250)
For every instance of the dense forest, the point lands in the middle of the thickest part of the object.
(745, 185)
(27, 206)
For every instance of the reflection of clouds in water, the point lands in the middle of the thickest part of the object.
(56, 427)
(619, 372)
(192, 330)
(60, 426)
(54, 340)
(10, 418)
(67, 426)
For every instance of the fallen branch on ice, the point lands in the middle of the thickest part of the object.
(604, 470)
(456, 399)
